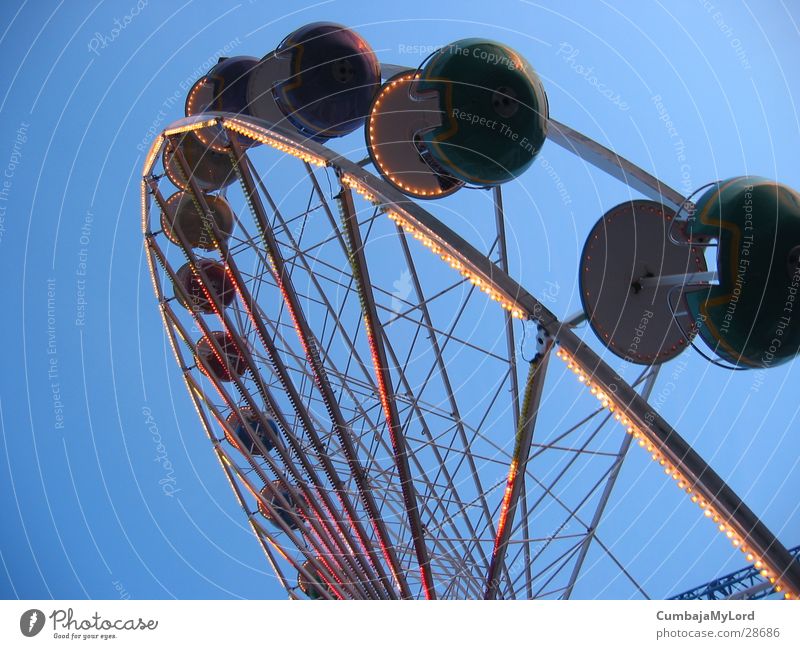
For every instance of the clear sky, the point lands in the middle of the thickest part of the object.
(108, 486)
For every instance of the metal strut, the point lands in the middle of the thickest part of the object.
(386, 391)
(745, 583)
(304, 333)
(519, 459)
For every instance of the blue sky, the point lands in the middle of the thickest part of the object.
(107, 484)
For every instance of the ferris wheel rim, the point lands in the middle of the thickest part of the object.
(524, 305)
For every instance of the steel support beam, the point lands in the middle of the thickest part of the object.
(336, 535)
(666, 440)
(601, 506)
(383, 377)
(511, 350)
(283, 278)
(516, 471)
(613, 164)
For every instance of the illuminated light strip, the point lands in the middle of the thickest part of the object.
(275, 143)
(318, 378)
(155, 149)
(145, 208)
(237, 288)
(337, 528)
(152, 264)
(200, 83)
(228, 469)
(194, 126)
(191, 110)
(427, 586)
(440, 249)
(322, 542)
(513, 470)
(225, 460)
(384, 171)
(341, 581)
(321, 381)
(325, 579)
(236, 126)
(379, 364)
(522, 442)
(696, 496)
(475, 279)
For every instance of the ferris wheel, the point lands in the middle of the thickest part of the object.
(356, 363)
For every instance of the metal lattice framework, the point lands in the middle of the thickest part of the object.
(406, 432)
(746, 583)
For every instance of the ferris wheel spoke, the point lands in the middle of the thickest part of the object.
(439, 500)
(622, 568)
(511, 350)
(572, 513)
(387, 341)
(345, 379)
(555, 567)
(442, 368)
(375, 335)
(594, 524)
(246, 352)
(412, 307)
(548, 490)
(311, 348)
(196, 391)
(517, 468)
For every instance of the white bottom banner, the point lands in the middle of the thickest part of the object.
(289, 624)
